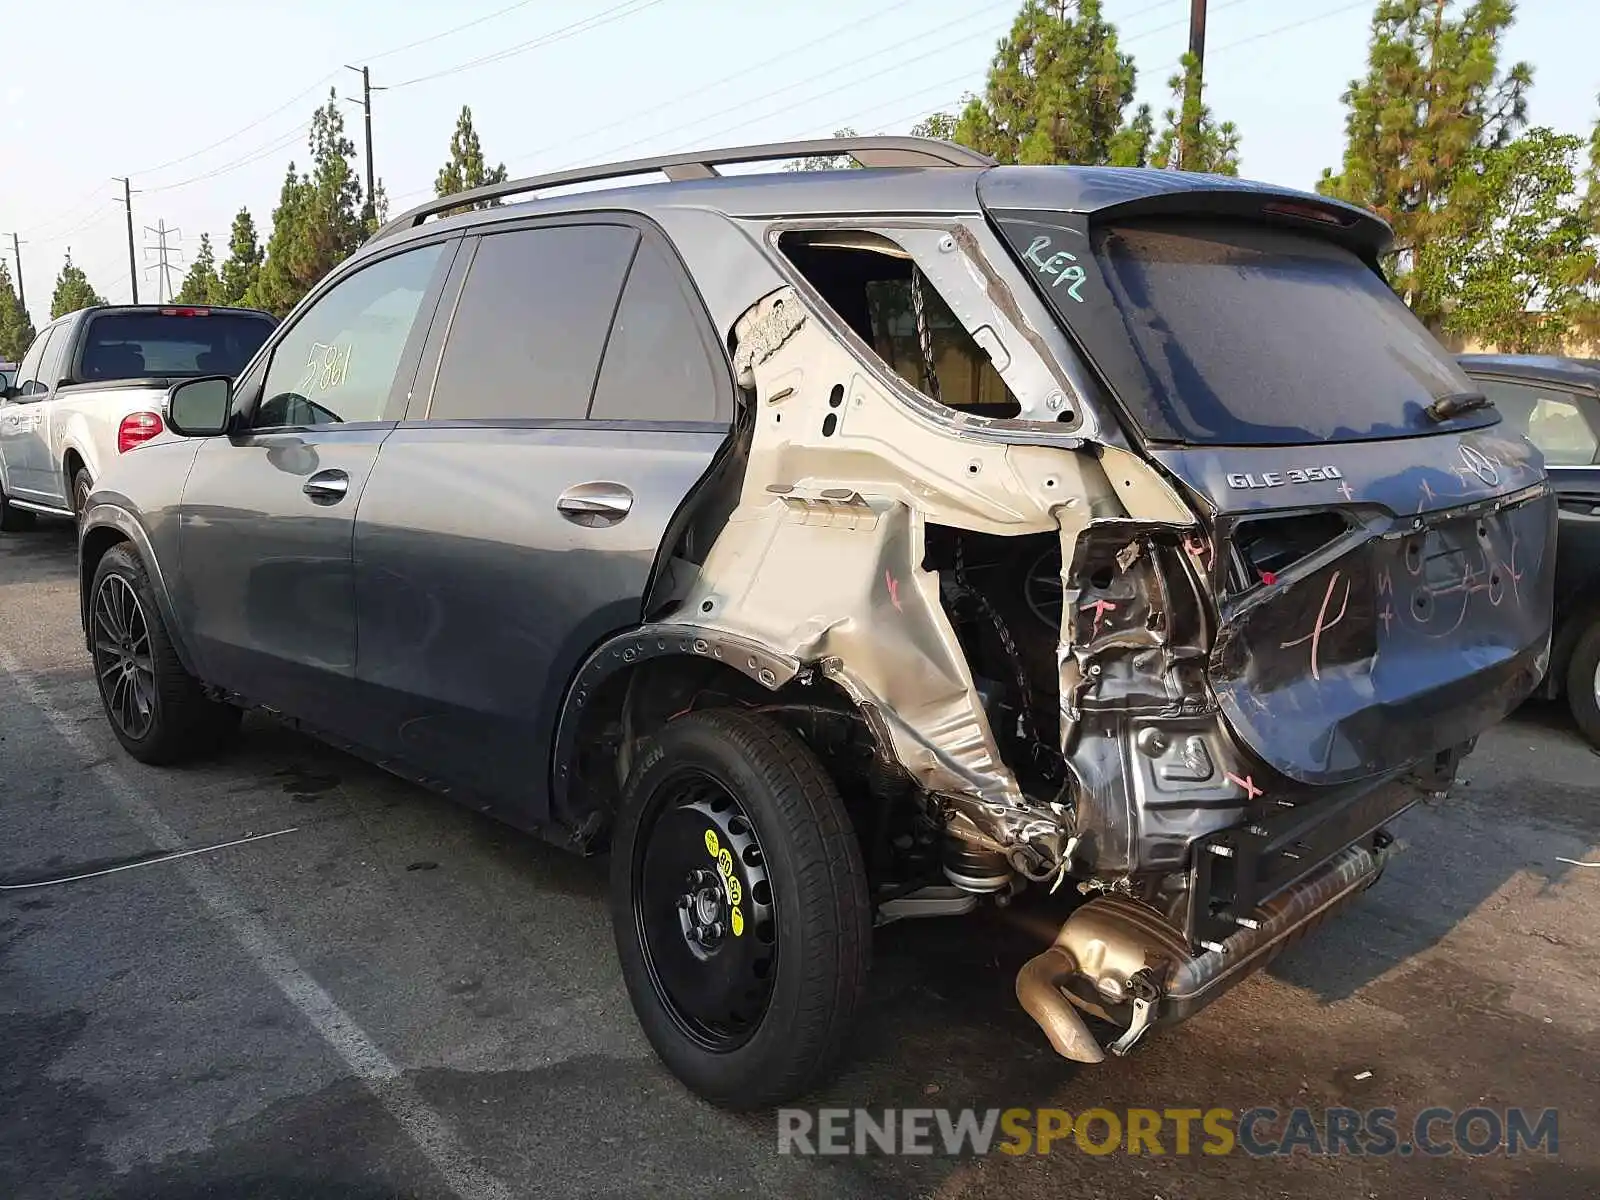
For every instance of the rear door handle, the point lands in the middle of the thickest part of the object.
(327, 487)
(595, 504)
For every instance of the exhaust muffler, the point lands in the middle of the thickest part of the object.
(1122, 961)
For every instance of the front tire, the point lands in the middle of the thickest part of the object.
(157, 710)
(82, 485)
(1583, 684)
(740, 908)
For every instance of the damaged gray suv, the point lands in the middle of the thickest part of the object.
(842, 547)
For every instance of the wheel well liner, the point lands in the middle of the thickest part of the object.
(603, 683)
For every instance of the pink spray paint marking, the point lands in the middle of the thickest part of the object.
(1101, 607)
(1248, 783)
(893, 585)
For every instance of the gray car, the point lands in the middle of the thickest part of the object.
(844, 547)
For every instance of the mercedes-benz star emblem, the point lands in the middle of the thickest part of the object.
(1480, 465)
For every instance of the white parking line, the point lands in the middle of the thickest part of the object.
(380, 1075)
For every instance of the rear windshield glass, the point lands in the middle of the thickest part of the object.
(1220, 332)
(136, 345)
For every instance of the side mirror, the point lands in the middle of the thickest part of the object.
(200, 407)
(8, 393)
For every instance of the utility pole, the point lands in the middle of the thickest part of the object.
(133, 262)
(1193, 87)
(369, 210)
(163, 251)
(16, 253)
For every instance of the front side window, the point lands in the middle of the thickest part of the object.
(527, 334)
(337, 364)
(28, 383)
(1551, 419)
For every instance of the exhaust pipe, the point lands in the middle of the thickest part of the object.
(1039, 989)
(1120, 960)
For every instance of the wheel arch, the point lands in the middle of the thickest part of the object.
(1574, 623)
(106, 526)
(635, 682)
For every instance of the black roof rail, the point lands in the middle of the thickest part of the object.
(703, 164)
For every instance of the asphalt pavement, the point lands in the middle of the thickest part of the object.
(399, 998)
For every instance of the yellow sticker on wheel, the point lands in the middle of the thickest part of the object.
(725, 863)
(735, 890)
(738, 923)
(712, 845)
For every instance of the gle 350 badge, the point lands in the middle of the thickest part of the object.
(1269, 479)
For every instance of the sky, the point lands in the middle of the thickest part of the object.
(203, 103)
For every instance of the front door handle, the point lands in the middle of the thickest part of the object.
(595, 504)
(327, 487)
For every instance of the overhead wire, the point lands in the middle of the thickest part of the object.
(616, 12)
(744, 105)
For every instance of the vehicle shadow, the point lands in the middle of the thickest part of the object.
(1524, 800)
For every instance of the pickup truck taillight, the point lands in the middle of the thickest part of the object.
(136, 429)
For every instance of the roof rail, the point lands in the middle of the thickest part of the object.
(703, 164)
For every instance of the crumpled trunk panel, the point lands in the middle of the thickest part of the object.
(1422, 624)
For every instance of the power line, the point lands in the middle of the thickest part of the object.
(744, 105)
(444, 33)
(255, 155)
(317, 86)
(785, 56)
(604, 17)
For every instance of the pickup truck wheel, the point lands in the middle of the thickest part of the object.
(157, 709)
(81, 487)
(739, 904)
(1583, 684)
(12, 519)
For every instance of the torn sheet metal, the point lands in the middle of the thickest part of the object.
(822, 559)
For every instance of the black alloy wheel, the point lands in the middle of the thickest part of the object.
(158, 711)
(740, 908)
(122, 658)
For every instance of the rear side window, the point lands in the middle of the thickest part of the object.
(529, 330)
(1235, 333)
(1550, 418)
(658, 364)
(136, 345)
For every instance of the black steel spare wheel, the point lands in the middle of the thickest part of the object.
(122, 657)
(703, 906)
(739, 903)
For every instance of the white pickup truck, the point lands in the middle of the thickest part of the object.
(92, 385)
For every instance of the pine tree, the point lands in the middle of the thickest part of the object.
(201, 285)
(72, 290)
(1056, 90)
(1193, 140)
(1433, 98)
(318, 221)
(466, 168)
(16, 329)
(938, 125)
(826, 162)
(1132, 145)
(243, 264)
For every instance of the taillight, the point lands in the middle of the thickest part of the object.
(136, 429)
